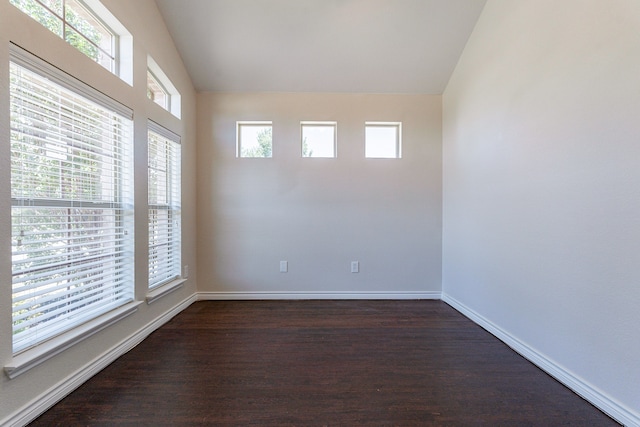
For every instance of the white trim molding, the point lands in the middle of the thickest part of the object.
(292, 295)
(157, 293)
(605, 403)
(46, 400)
(45, 351)
(50, 397)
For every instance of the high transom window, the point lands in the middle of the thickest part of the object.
(383, 140)
(318, 139)
(71, 202)
(79, 25)
(254, 139)
(156, 91)
(161, 90)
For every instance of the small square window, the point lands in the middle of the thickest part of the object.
(318, 139)
(383, 140)
(254, 139)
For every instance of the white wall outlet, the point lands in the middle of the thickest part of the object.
(185, 271)
(355, 266)
(284, 266)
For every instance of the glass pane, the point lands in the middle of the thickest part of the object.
(88, 35)
(156, 92)
(90, 27)
(72, 21)
(164, 209)
(54, 5)
(71, 226)
(44, 12)
(382, 141)
(255, 140)
(62, 145)
(64, 264)
(318, 140)
(81, 43)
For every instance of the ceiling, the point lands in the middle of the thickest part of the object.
(364, 46)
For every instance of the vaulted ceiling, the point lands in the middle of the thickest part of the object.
(366, 46)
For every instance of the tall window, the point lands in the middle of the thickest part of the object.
(71, 202)
(254, 139)
(383, 140)
(85, 28)
(164, 206)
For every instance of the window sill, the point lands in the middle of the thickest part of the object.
(165, 289)
(31, 358)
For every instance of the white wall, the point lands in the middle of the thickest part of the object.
(319, 214)
(30, 392)
(541, 157)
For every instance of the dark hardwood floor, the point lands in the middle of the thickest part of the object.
(322, 363)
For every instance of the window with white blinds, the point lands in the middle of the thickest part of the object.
(71, 202)
(165, 245)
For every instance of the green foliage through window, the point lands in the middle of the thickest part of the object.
(71, 205)
(255, 140)
(74, 22)
(318, 139)
(306, 151)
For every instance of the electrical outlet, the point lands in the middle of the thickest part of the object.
(284, 266)
(355, 266)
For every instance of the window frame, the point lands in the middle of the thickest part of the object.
(259, 123)
(172, 97)
(167, 96)
(121, 57)
(320, 124)
(398, 138)
(78, 325)
(173, 193)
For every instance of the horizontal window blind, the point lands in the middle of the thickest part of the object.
(72, 204)
(164, 206)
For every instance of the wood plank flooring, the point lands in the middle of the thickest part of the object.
(322, 363)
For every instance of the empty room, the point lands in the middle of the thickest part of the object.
(320, 212)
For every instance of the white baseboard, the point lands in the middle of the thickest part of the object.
(610, 406)
(52, 396)
(49, 398)
(216, 296)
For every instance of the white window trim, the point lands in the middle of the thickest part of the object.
(27, 60)
(398, 126)
(334, 125)
(162, 131)
(33, 357)
(123, 49)
(164, 288)
(167, 102)
(239, 124)
(24, 360)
